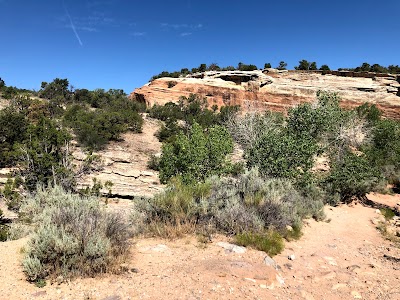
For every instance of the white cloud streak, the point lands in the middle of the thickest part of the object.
(139, 34)
(72, 24)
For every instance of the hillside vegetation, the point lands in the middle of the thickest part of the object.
(259, 200)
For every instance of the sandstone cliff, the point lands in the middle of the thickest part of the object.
(276, 90)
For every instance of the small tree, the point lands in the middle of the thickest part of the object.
(325, 68)
(202, 68)
(282, 65)
(313, 66)
(267, 66)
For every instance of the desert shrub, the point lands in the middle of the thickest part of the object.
(384, 150)
(247, 129)
(153, 163)
(169, 111)
(4, 229)
(251, 203)
(320, 120)
(44, 157)
(387, 213)
(171, 84)
(270, 242)
(18, 230)
(282, 154)
(95, 128)
(174, 212)
(13, 125)
(196, 156)
(10, 193)
(354, 176)
(246, 204)
(168, 131)
(74, 236)
(369, 112)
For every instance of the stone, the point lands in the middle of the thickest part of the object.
(356, 295)
(288, 266)
(156, 248)
(291, 257)
(39, 294)
(270, 262)
(232, 248)
(339, 286)
(113, 297)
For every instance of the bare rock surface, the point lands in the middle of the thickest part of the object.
(277, 91)
(125, 164)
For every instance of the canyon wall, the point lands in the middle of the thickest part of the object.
(276, 90)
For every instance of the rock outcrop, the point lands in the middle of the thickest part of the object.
(276, 90)
(125, 164)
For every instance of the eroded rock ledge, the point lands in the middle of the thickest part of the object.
(276, 90)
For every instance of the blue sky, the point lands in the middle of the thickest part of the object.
(121, 44)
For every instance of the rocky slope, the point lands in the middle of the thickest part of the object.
(124, 163)
(276, 90)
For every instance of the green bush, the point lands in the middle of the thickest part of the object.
(384, 150)
(44, 157)
(196, 156)
(94, 129)
(4, 229)
(247, 204)
(354, 176)
(270, 242)
(154, 163)
(174, 212)
(74, 236)
(13, 126)
(282, 154)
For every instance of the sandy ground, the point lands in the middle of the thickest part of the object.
(344, 257)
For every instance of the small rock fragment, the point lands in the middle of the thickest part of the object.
(232, 248)
(356, 295)
(292, 257)
(270, 262)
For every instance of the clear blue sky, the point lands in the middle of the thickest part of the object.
(121, 44)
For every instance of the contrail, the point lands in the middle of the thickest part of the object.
(72, 24)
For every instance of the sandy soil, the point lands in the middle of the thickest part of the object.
(344, 257)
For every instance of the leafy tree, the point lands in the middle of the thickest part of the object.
(197, 155)
(244, 67)
(305, 65)
(58, 88)
(267, 66)
(313, 66)
(378, 69)
(282, 65)
(13, 126)
(213, 67)
(324, 68)
(394, 69)
(202, 68)
(365, 67)
(2, 84)
(44, 156)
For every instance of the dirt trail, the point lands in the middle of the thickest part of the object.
(346, 258)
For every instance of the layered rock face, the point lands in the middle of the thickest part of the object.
(275, 90)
